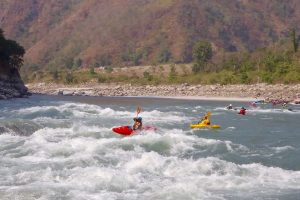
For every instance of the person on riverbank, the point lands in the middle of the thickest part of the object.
(242, 111)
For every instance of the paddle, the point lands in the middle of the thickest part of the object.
(138, 111)
(208, 114)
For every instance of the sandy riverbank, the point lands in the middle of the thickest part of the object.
(207, 92)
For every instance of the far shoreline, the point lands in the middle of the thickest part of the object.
(189, 98)
(243, 93)
(210, 98)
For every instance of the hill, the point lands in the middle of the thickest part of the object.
(74, 33)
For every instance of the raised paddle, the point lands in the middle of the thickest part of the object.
(138, 111)
(208, 114)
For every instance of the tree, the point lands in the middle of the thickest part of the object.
(11, 53)
(202, 53)
(92, 71)
(295, 40)
(172, 73)
(55, 75)
(69, 78)
(164, 56)
(77, 63)
(148, 76)
(108, 69)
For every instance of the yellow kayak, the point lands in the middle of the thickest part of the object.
(205, 126)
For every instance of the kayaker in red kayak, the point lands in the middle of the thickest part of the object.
(242, 111)
(137, 123)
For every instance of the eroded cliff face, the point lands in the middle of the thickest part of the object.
(11, 85)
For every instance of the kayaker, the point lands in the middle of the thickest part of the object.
(137, 123)
(205, 120)
(253, 104)
(242, 111)
(229, 107)
(284, 105)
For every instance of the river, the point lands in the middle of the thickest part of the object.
(54, 147)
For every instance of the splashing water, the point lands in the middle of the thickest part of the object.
(63, 148)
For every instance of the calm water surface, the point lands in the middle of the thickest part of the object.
(63, 148)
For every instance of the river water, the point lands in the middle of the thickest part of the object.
(63, 148)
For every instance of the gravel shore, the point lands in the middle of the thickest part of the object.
(261, 91)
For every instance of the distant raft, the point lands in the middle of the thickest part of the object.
(214, 126)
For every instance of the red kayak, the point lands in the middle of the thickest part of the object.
(127, 130)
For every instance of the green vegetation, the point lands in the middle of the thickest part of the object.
(279, 63)
(202, 53)
(295, 40)
(108, 69)
(173, 74)
(11, 55)
(92, 70)
(148, 76)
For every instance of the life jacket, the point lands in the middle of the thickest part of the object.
(206, 122)
(242, 112)
(137, 123)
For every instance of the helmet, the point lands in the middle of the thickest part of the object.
(230, 104)
(139, 119)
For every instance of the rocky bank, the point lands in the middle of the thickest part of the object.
(12, 87)
(261, 91)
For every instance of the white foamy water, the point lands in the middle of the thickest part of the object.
(72, 153)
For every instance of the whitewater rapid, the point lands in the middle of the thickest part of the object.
(55, 149)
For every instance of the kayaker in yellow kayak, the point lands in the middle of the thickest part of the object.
(205, 119)
(205, 122)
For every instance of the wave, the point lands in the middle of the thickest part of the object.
(282, 149)
(150, 175)
(73, 154)
(92, 111)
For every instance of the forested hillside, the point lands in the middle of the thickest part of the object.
(76, 33)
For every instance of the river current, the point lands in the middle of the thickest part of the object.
(63, 148)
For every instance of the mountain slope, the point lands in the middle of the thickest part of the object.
(63, 33)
